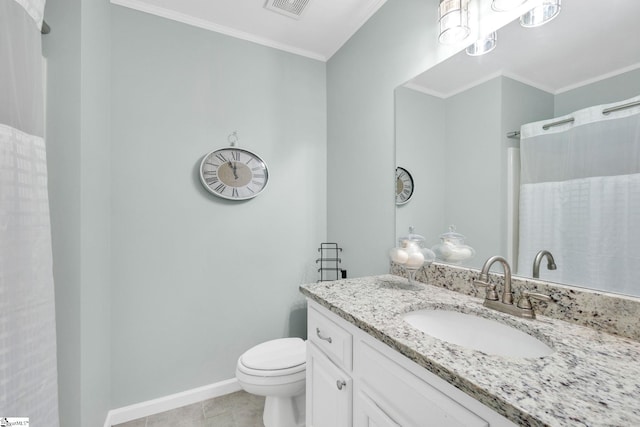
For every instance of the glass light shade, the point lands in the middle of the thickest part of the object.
(454, 21)
(505, 5)
(540, 15)
(483, 45)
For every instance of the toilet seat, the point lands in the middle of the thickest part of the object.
(276, 358)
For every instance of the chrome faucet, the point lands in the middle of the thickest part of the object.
(551, 264)
(505, 305)
(507, 295)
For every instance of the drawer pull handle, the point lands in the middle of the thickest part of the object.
(340, 384)
(328, 339)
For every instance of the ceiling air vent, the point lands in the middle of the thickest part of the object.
(290, 8)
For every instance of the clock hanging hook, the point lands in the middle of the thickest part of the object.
(233, 138)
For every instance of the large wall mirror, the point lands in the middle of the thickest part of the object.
(453, 122)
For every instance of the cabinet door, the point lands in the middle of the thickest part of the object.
(406, 399)
(369, 414)
(329, 392)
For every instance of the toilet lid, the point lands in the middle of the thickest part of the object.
(277, 354)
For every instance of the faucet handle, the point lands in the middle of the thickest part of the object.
(491, 293)
(525, 300)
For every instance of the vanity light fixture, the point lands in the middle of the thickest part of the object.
(483, 45)
(540, 15)
(454, 21)
(506, 5)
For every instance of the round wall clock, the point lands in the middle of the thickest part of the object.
(233, 173)
(404, 186)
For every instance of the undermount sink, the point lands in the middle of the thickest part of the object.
(477, 333)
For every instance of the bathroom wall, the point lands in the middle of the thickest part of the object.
(62, 50)
(395, 44)
(399, 42)
(613, 89)
(77, 52)
(197, 280)
(95, 193)
(457, 162)
(420, 125)
(474, 165)
(160, 286)
(457, 147)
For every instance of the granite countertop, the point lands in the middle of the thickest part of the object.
(592, 378)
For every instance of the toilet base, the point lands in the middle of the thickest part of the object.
(284, 411)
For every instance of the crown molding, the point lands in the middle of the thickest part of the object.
(208, 25)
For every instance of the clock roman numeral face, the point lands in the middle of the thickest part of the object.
(233, 173)
(404, 186)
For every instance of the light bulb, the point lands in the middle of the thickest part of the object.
(540, 15)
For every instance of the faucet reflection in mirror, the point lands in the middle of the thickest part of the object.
(551, 263)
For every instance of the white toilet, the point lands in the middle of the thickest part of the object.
(276, 369)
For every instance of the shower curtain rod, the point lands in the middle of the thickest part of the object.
(516, 134)
(620, 107)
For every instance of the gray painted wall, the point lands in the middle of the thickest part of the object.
(62, 50)
(398, 42)
(197, 280)
(175, 283)
(466, 136)
(457, 164)
(159, 285)
(613, 89)
(95, 231)
(77, 52)
(473, 168)
(421, 148)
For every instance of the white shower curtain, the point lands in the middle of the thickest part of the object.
(580, 198)
(28, 373)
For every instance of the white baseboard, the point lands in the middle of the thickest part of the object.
(173, 401)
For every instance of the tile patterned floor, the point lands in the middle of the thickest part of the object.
(238, 409)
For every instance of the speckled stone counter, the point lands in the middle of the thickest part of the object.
(607, 312)
(592, 378)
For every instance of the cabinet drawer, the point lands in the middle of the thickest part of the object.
(405, 399)
(331, 338)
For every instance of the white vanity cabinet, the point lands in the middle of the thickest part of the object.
(387, 391)
(329, 384)
(382, 388)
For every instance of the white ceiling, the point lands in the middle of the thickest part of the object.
(323, 27)
(588, 41)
